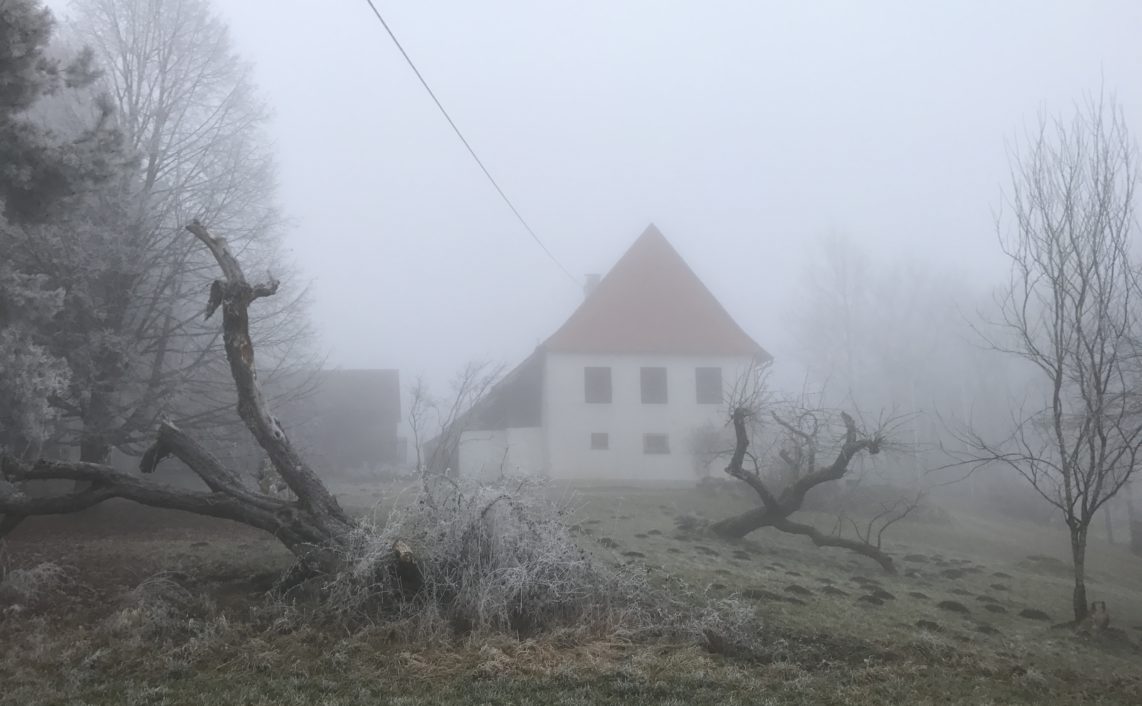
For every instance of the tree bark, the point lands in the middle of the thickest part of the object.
(740, 525)
(1078, 556)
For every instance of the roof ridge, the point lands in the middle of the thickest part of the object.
(651, 301)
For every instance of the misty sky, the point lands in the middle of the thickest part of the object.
(743, 130)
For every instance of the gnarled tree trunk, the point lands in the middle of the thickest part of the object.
(775, 510)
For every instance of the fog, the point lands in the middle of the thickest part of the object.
(824, 291)
(743, 130)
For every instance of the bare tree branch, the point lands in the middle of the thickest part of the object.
(1070, 310)
(775, 510)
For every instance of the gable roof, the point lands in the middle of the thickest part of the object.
(651, 302)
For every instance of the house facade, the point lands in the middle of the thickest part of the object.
(631, 387)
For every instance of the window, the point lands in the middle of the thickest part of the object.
(655, 444)
(709, 385)
(653, 385)
(598, 385)
(600, 441)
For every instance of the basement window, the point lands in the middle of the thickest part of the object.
(653, 385)
(708, 382)
(600, 441)
(655, 444)
(597, 383)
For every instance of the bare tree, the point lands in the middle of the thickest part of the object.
(1069, 310)
(832, 319)
(880, 332)
(803, 430)
(453, 415)
(314, 526)
(420, 411)
(187, 108)
(891, 512)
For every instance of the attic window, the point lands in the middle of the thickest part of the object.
(600, 441)
(655, 444)
(597, 384)
(709, 385)
(653, 385)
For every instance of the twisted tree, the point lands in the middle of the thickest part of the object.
(802, 474)
(314, 526)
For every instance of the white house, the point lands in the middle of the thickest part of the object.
(625, 387)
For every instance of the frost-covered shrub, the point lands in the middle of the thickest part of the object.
(33, 587)
(159, 608)
(728, 626)
(688, 523)
(465, 558)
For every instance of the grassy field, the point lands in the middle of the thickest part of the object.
(91, 639)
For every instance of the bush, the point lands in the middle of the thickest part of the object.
(464, 559)
(34, 587)
(159, 609)
(691, 524)
(729, 627)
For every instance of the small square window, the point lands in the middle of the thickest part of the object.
(600, 441)
(655, 444)
(597, 382)
(653, 385)
(709, 385)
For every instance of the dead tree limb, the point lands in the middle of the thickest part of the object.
(237, 295)
(314, 527)
(827, 540)
(889, 515)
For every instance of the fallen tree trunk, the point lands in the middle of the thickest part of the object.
(776, 509)
(314, 526)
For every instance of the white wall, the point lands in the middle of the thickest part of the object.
(482, 452)
(487, 454)
(569, 419)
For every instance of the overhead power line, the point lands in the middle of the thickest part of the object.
(467, 145)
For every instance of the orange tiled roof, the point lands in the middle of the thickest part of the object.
(651, 302)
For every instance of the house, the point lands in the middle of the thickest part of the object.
(626, 388)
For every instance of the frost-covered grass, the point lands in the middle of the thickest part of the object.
(200, 634)
(34, 587)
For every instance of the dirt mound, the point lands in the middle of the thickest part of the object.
(953, 607)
